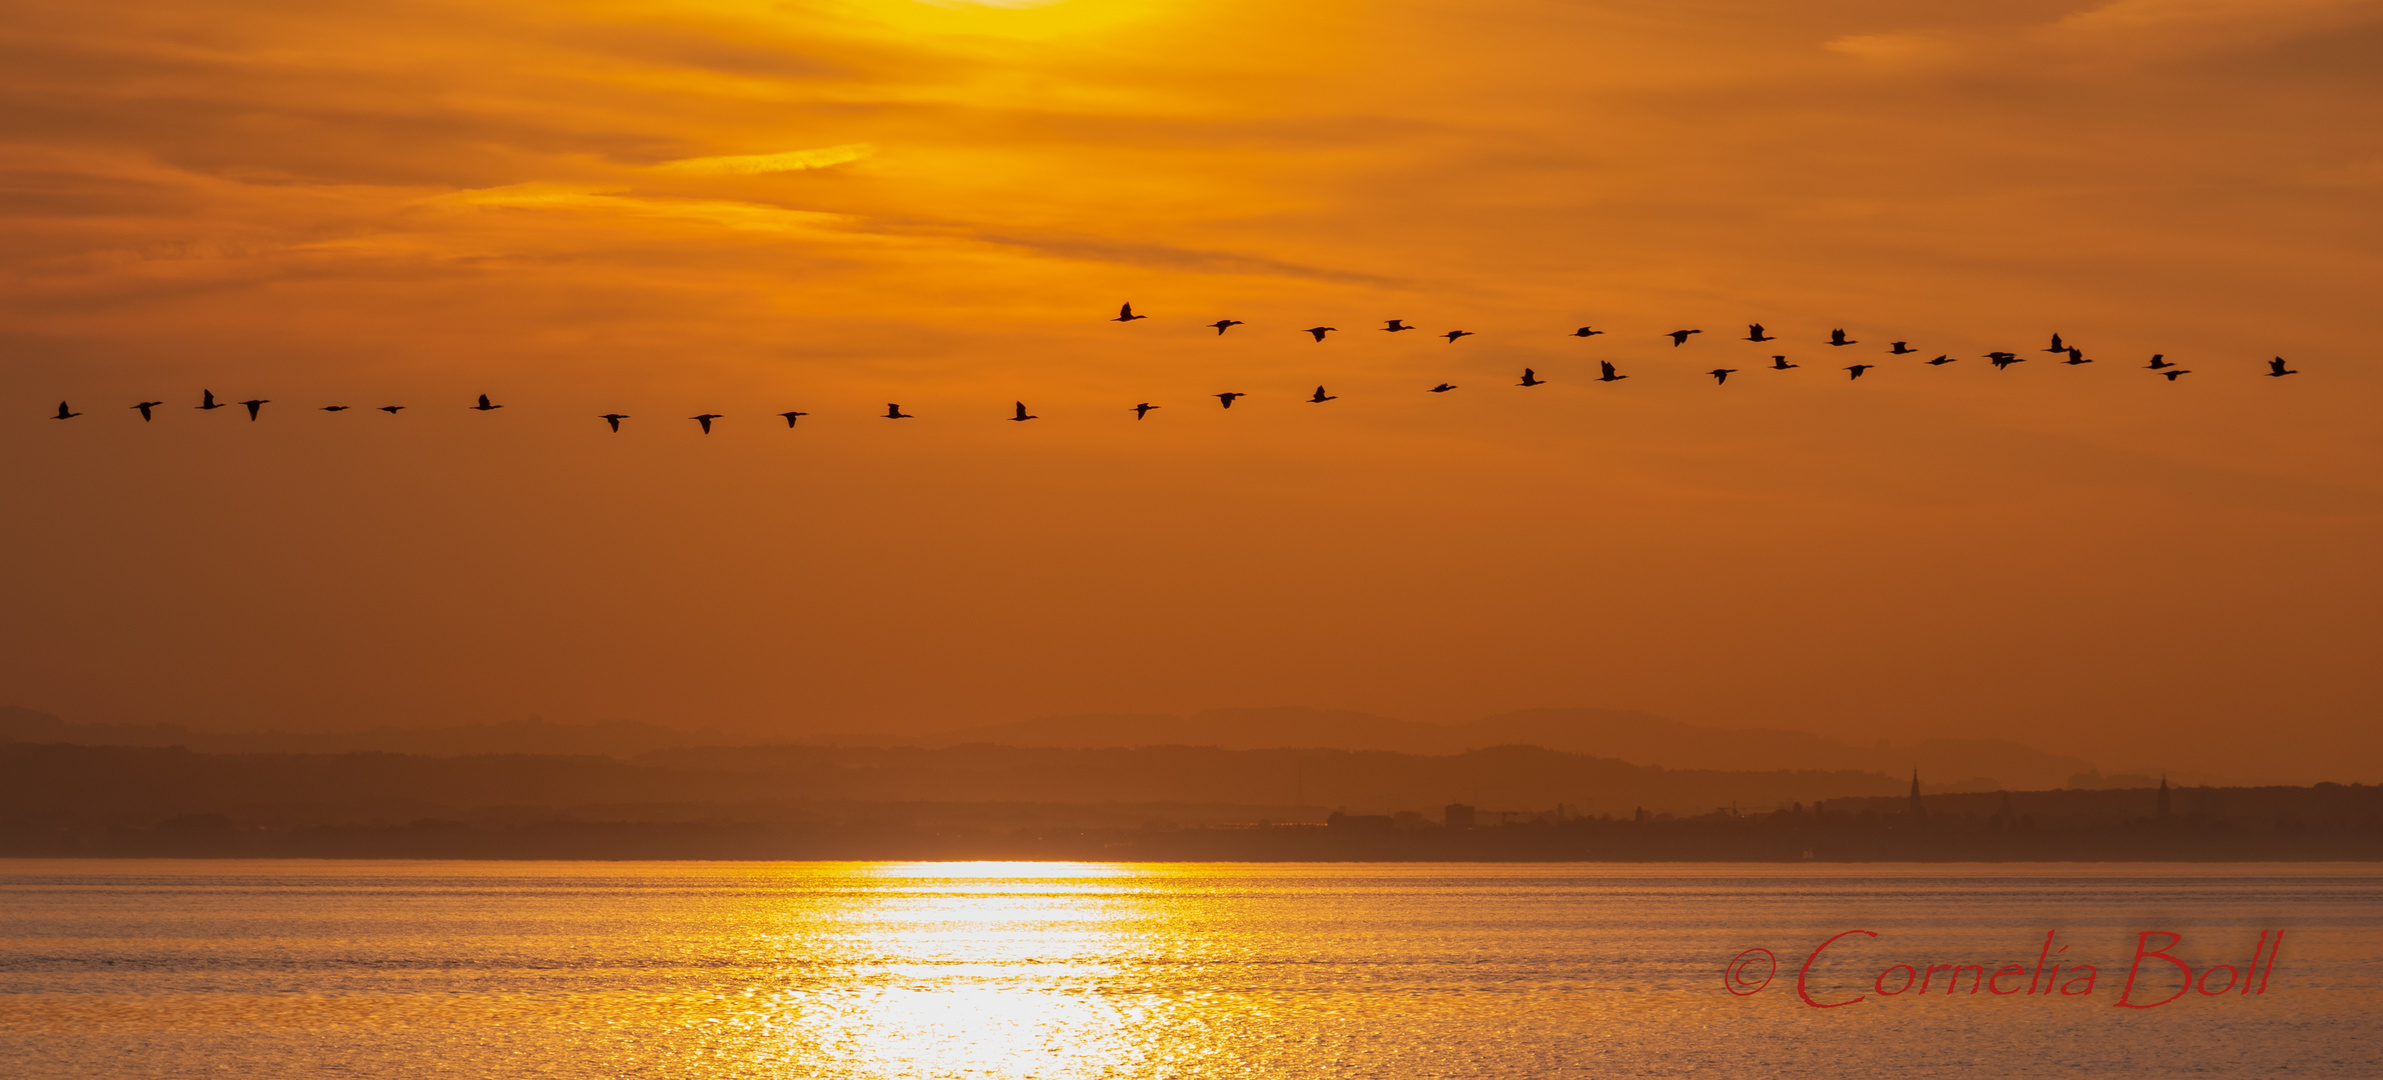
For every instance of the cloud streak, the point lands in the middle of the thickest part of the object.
(764, 164)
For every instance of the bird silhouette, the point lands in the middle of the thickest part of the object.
(1321, 397)
(1395, 325)
(1125, 313)
(1143, 410)
(335, 408)
(1228, 396)
(207, 400)
(614, 419)
(2076, 356)
(1531, 378)
(254, 404)
(1587, 331)
(1023, 415)
(1606, 372)
(1320, 331)
(1779, 363)
(1443, 388)
(2159, 361)
(791, 417)
(1940, 361)
(1837, 337)
(392, 409)
(2277, 370)
(1754, 333)
(145, 407)
(2172, 371)
(1721, 375)
(2056, 345)
(484, 406)
(1452, 335)
(1900, 348)
(1220, 324)
(2003, 359)
(1858, 369)
(706, 420)
(65, 413)
(1680, 337)
(894, 412)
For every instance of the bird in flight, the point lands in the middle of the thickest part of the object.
(65, 413)
(1837, 337)
(2003, 359)
(1443, 388)
(1901, 348)
(1940, 361)
(615, 419)
(2277, 370)
(1023, 414)
(1321, 397)
(706, 420)
(145, 407)
(1228, 396)
(2076, 356)
(392, 409)
(1221, 324)
(1680, 337)
(1754, 333)
(335, 408)
(1721, 375)
(1587, 331)
(1452, 335)
(2159, 361)
(254, 404)
(2056, 345)
(1607, 372)
(207, 400)
(1858, 369)
(1531, 378)
(894, 412)
(1395, 325)
(791, 417)
(1143, 410)
(484, 406)
(1125, 313)
(2172, 371)
(1779, 363)
(1320, 331)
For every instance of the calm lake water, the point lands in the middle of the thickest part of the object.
(297, 969)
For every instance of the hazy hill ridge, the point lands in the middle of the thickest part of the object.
(1635, 737)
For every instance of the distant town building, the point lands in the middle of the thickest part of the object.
(1918, 811)
(1457, 816)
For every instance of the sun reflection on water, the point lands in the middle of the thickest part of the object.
(980, 970)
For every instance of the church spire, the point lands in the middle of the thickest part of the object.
(1917, 810)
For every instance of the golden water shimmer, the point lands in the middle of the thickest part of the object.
(1113, 970)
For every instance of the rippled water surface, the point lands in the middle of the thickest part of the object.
(289, 969)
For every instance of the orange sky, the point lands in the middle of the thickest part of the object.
(745, 207)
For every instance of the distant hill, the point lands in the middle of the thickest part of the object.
(122, 785)
(617, 738)
(1636, 737)
(1653, 740)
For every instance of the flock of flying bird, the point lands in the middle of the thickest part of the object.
(2071, 355)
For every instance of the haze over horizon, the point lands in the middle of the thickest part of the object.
(673, 210)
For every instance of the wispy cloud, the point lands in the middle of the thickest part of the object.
(759, 164)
